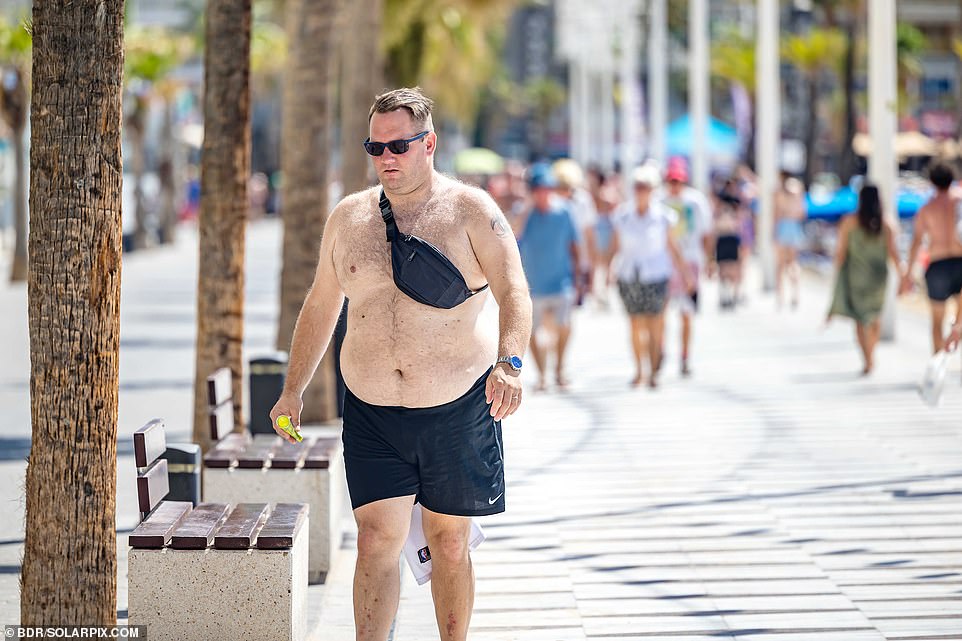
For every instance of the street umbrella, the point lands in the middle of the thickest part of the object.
(478, 161)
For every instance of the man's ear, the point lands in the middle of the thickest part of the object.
(430, 143)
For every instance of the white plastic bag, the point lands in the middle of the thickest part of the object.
(934, 378)
(416, 551)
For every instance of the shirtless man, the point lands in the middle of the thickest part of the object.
(424, 396)
(936, 222)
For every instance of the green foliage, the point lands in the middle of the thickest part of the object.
(733, 58)
(448, 47)
(15, 41)
(910, 42)
(150, 53)
(268, 47)
(816, 51)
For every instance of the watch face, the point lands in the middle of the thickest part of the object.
(515, 362)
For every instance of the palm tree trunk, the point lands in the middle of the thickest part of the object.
(225, 168)
(166, 173)
(305, 150)
(811, 132)
(70, 551)
(362, 78)
(138, 156)
(847, 160)
(18, 270)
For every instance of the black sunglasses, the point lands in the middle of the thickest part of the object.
(396, 146)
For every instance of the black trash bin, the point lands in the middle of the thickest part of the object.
(183, 469)
(267, 375)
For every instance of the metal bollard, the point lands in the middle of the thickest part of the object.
(267, 375)
(183, 471)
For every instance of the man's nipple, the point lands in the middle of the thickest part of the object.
(353, 269)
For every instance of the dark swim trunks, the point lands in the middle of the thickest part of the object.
(450, 456)
(943, 278)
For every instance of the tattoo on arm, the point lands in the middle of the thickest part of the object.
(499, 225)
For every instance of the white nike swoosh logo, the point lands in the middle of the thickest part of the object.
(495, 499)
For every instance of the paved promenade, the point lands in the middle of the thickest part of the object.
(773, 496)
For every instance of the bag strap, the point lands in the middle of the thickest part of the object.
(387, 214)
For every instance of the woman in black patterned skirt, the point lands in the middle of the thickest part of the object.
(645, 255)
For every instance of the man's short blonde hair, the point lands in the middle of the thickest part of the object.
(410, 98)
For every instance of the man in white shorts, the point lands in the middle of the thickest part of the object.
(692, 232)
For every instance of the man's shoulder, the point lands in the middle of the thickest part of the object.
(469, 197)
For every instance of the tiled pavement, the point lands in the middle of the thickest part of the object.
(774, 496)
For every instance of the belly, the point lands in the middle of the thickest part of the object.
(399, 352)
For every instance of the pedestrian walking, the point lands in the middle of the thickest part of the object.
(790, 213)
(727, 258)
(936, 224)
(692, 232)
(866, 242)
(646, 256)
(428, 382)
(571, 187)
(551, 253)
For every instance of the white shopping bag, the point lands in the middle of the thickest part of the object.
(934, 378)
(416, 550)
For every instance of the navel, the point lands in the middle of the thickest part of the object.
(353, 269)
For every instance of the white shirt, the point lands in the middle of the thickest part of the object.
(693, 223)
(643, 243)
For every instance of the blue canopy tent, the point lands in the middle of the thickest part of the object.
(845, 200)
(723, 143)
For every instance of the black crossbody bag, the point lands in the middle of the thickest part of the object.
(420, 269)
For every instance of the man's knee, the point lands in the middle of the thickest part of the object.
(378, 539)
(449, 545)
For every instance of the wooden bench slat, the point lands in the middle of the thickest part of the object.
(197, 530)
(219, 387)
(259, 451)
(149, 443)
(155, 532)
(152, 486)
(239, 531)
(221, 419)
(288, 456)
(226, 450)
(319, 456)
(282, 526)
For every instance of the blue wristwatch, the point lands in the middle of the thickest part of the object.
(514, 362)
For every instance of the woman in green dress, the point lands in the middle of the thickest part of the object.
(865, 243)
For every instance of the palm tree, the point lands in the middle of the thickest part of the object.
(434, 42)
(813, 54)
(70, 550)
(225, 167)
(150, 54)
(733, 58)
(14, 71)
(910, 42)
(362, 78)
(308, 106)
(847, 15)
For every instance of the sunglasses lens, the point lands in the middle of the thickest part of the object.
(374, 148)
(398, 146)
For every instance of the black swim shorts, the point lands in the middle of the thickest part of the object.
(943, 278)
(450, 456)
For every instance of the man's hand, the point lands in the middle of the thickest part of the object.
(503, 391)
(288, 404)
(906, 285)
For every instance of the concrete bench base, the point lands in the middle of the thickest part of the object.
(324, 489)
(215, 594)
